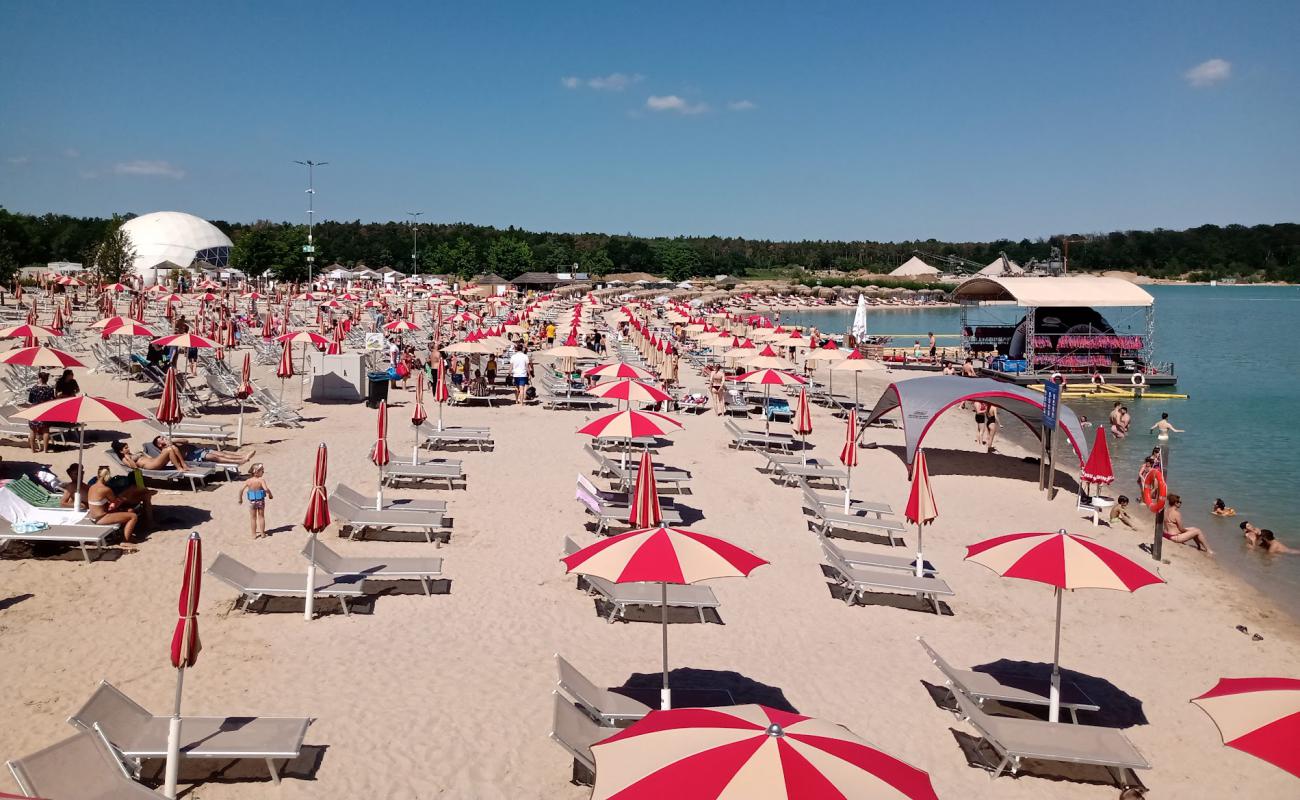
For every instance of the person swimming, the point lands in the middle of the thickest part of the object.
(1165, 427)
(1221, 509)
(1269, 542)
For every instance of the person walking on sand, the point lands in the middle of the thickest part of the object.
(991, 426)
(981, 415)
(934, 351)
(1165, 427)
(519, 367)
(1176, 531)
(717, 388)
(258, 492)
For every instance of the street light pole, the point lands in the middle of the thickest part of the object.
(415, 241)
(310, 248)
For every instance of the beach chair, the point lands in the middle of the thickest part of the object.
(1023, 689)
(832, 517)
(866, 559)
(481, 438)
(1015, 740)
(625, 477)
(446, 470)
(195, 474)
(387, 569)
(573, 730)
(606, 708)
(359, 500)
(607, 513)
(33, 493)
(191, 430)
(860, 582)
(253, 585)
(79, 535)
(834, 499)
(620, 596)
(355, 519)
(757, 440)
(139, 735)
(229, 470)
(792, 469)
(80, 766)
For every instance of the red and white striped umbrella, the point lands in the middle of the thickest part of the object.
(418, 415)
(284, 369)
(127, 328)
(1098, 469)
(304, 337)
(246, 377)
(1064, 561)
(630, 424)
(633, 391)
(921, 508)
(185, 649)
(645, 511)
(751, 752)
(184, 340)
(268, 325)
(400, 325)
(1260, 716)
(379, 452)
(617, 369)
(849, 452)
(663, 555)
(116, 288)
(316, 520)
(169, 410)
(770, 377)
(28, 331)
(39, 357)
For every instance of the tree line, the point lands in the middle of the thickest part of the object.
(1258, 252)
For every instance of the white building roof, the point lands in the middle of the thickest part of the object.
(1066, 291)
(176, 237)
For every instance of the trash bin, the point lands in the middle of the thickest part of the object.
(377, 389)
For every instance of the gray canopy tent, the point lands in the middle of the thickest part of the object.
(922, 400)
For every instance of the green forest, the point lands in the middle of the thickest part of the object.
(1258, 252)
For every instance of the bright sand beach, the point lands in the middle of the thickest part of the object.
(450, 695)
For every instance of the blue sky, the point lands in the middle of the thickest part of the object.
(846, 120)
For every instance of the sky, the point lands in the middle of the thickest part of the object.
(799, 120)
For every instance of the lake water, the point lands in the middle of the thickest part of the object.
(1234, 356)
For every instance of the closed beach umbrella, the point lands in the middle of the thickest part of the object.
(440, 391)
(803, 421)
(316, 520)
(169, 403)
(859, 327)
(1064, 561)
(379, 453)
(184, 651)
(1098, 470)
(849, 452)
(1260, 716)
(244, 391)
(268, 325)
(663, 555)
(921, 508)
(285, 368)
(751, 752)
(645, 511)
(418, 415)
(80, 411)
(39, 357)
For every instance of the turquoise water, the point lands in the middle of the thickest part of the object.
(1234, 356)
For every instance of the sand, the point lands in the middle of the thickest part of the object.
(450, 696)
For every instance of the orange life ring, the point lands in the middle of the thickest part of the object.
(1157, 503)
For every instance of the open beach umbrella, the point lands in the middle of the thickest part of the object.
(418, 415)
(855, 362)
(849, 452)
(28, 331)
(1064, 561)
(767, 378)
(803, 422)
(921, 508)
(1098, 470)
(184, 651)
(316, 520)
(617, 369)
(169, 410)
(1260, 716)
(663, 555)
(767, 358)
(80, 411)
(401, 326)
(185, 341)
(629, 424)
(633, 391)
(751, 752)
(285, 368)
(39, 357)
(645, 511)
(379, 453)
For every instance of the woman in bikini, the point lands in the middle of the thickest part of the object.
(106, 508)
(991, 426)
(981, 412)
(168, 458)
(717, 382)
(211, 455)
(1175, 531)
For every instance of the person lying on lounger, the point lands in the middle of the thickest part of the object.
(211, 455)
(168, 458)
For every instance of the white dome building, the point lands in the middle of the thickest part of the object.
(165, 240)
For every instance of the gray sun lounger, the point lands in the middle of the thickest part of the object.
(757, 440)
(865, 559)
(833, 499)
(138, 734)
(253, 585)
(1016, 740)
(191, 430)
(834, 518)
(195, 475)
(1026, 690)
(479, 437)
(359, 500)
(616, 514)
(860, 582)
(449, 471)
(81, 766)
(80, 535)
(621, 595)
(792, 469)
(573, 730)
(609, 709)
(388, 569)
(354, 520)
(625, 477)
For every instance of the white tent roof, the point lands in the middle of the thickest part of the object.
(995, 267)
(914, 266)
(1067, 291)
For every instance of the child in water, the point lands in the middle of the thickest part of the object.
(257, 491)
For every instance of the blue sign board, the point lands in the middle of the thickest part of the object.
(1051, 403)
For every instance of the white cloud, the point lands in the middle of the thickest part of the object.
(613, 82)
(671, 102)
(742, 105)
(18, 161)
(72, 152)
(1208, 73)
(162, 169)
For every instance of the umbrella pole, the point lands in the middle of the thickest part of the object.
(767, 411)
(302, 374)
(1054, 695)
(920, 559)
(665, 695)
(848, 483)
(307, 607)
(379, 496)
(239, 437)
(174, 738)
(439, 416)
(81, 475)
(415, 448)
